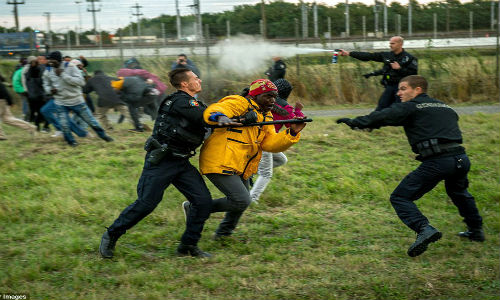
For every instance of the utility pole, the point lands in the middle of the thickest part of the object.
(163, 34)
(329, 22)
(385, 18)
(207, 45)
(297, 60)
(315, 19)
(178, 20)
(398, 24)
(49, 35)
(434, 17)
(15, 3)
(199, 25)
(364, 28)
(79, 28)
(492, 15)
(410, 31)
(264, 23)
(138, 14)
(93, 10)
(228, 29)
(347, 29)
(471, 23)
(375, 11)
(447, 18)
(305, 23)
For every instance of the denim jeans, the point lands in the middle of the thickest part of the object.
(49, 111)
(83, 112)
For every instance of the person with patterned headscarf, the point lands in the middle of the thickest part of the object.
(232, 154)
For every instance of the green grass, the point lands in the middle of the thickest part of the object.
(324, 229)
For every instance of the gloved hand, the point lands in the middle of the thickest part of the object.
(368, 75)
(346, 121)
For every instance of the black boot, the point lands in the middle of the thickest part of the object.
(107, 246)
(473, 234)
(427, 235)
(184, 250)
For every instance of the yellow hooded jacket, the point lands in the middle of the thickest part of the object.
(237, 151)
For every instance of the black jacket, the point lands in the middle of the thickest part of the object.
(180, 122)
(34, 82)
(101, 84)
(423, 118)
(276, 71)
(408, 63)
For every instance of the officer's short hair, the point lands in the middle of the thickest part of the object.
(415, 81)
(177, 76)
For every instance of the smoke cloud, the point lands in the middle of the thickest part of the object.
(249, 54)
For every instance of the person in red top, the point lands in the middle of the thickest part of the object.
(281, 111)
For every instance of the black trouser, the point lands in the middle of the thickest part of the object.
(153, 182)
(237, 199)
(35, 104)
(453, 170)
(389, 96)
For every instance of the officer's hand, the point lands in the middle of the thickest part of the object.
(346, 121)
(225, 121)
(395, 65)
(58, 71)
(53, 91)
(367, 75)
(342, 52)
(297, 127)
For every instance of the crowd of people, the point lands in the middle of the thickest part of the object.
(235, 144)
(55, 93)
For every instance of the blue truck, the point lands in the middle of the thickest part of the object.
(19, 43)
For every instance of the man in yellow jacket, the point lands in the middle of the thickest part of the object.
(232, 154)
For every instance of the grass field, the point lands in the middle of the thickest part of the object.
(324, 229)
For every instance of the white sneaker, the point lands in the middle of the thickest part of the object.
(57, 134)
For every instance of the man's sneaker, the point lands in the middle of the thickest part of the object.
(428, 235)
(186, 208)
(185, 250)
(89, 135)
(57, 133)
(136, 130)
(73, 144)
(107, 138)
(107, 246)
(473, 234)
(120, 119)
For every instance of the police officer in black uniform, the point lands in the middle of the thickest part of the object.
(277, 70)
(179, 129)
(397, 64)
(433, 133)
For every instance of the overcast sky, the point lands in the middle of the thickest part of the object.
(117, 13)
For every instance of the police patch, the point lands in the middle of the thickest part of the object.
(193, 103)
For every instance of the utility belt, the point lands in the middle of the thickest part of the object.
(159, 151)
(432, 147)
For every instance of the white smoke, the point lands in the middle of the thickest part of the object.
(249, 54)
